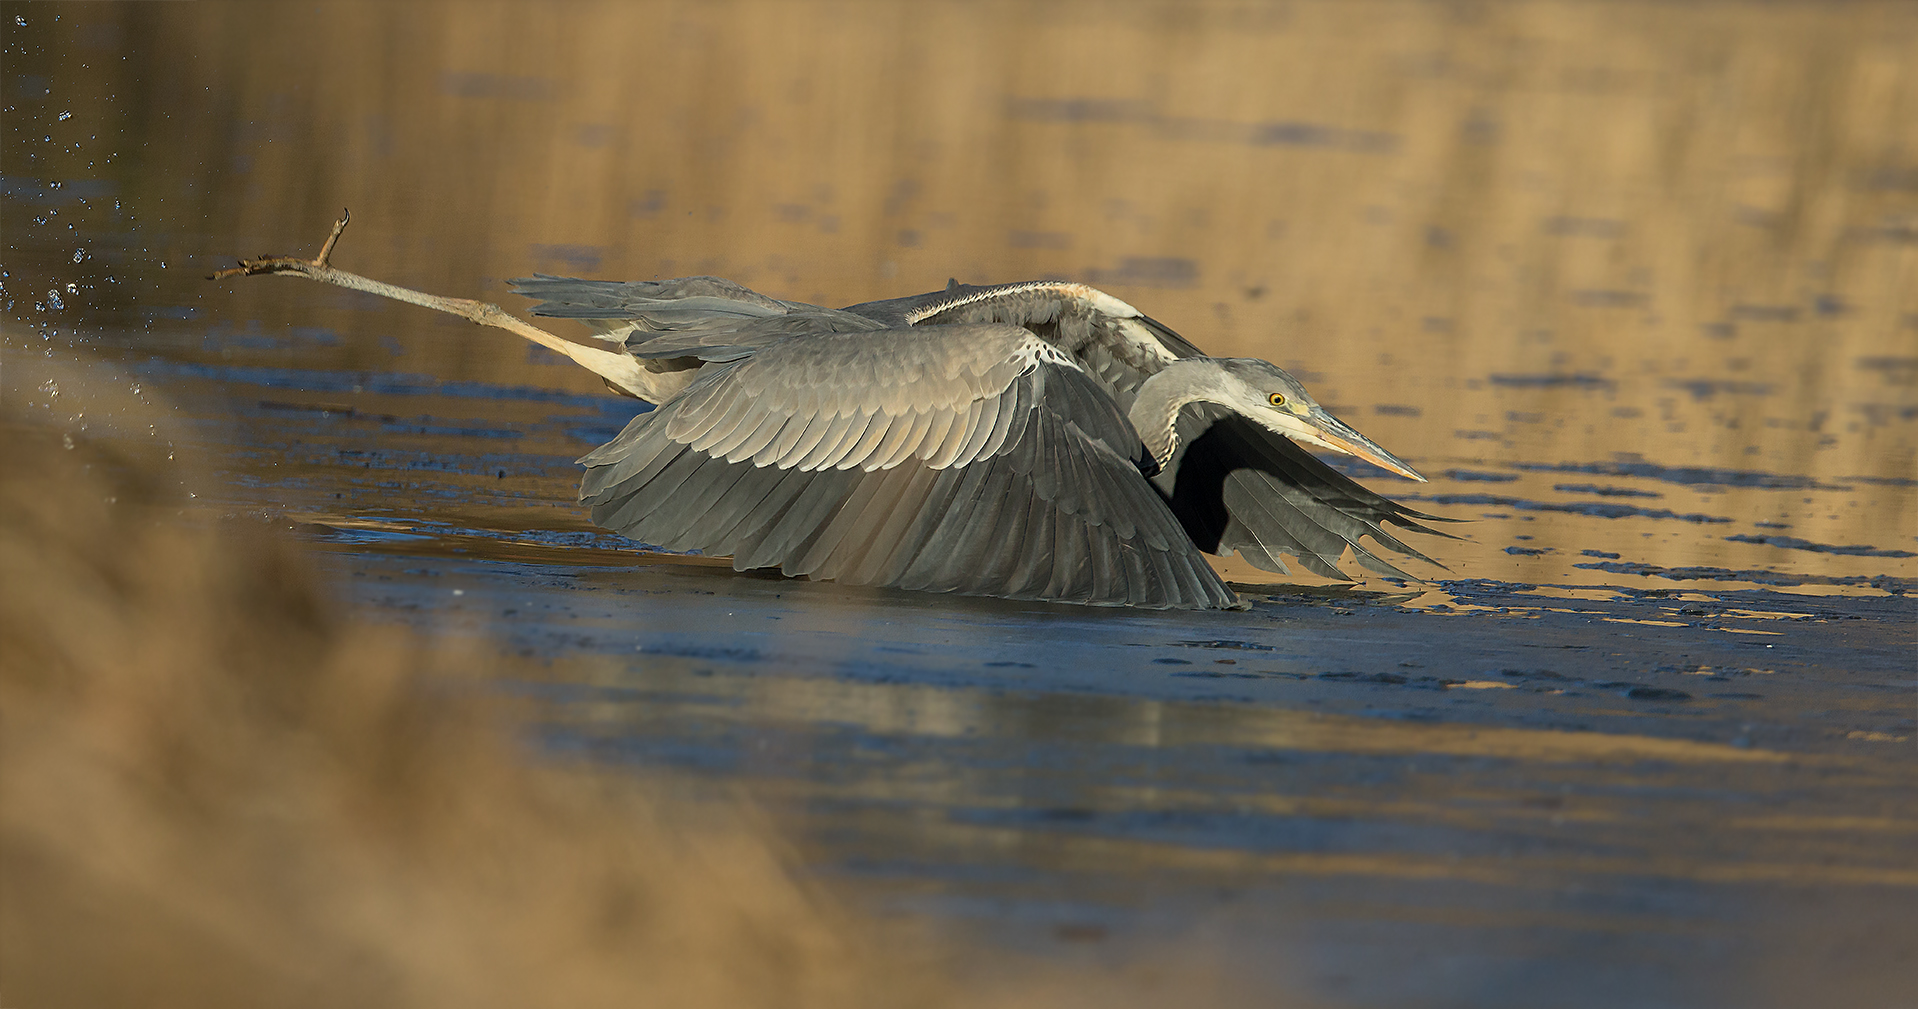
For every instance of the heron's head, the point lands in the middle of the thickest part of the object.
(1269, 396)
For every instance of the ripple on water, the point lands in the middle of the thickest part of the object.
(1888, 583)
(1596, 509)
(1793, 543)
(1688, 475)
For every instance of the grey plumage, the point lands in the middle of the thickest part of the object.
(982, 440)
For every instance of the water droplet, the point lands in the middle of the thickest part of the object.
(67, 440)
(17, 19)
(64, 116)
(53, 299)
(162, 264)
(55, 184)
(79, 254)
(73, 288)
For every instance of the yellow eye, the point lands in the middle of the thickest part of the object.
(1276, 399)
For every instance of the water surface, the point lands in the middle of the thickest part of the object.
(1635, 286)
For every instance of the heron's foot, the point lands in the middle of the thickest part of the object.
(288, 264)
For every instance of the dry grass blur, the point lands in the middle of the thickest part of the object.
(218, 786)
(216, 790)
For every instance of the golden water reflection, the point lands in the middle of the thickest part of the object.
(1568, 258)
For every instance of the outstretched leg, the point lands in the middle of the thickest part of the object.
(619, 369)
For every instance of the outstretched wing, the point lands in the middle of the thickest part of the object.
(973, 459)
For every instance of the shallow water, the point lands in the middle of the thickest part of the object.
(1648, 729)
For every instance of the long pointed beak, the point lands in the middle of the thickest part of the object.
(1335, 434)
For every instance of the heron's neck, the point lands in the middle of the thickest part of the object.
(1155, 409)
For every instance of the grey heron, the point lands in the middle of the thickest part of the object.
(1038, 440)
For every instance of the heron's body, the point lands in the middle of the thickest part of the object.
(1031, 441)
